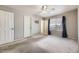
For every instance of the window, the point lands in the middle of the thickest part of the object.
(56, 24)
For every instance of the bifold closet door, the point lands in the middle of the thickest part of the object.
(6, 26)
(27, 26)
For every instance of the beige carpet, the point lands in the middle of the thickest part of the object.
(47, 44)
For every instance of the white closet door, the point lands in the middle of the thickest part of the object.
(9, 27)
(6, 27)
(2, 28)
(27, 26)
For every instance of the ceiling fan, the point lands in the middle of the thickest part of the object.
(44, 8)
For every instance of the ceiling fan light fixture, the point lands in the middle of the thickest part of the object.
(44, 7)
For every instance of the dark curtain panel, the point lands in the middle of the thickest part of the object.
(64, 31)
(49, 32)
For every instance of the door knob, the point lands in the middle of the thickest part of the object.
(12, 28)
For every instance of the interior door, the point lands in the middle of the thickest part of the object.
(2, 24)
(6, 27)
(9, 27)
(27, 26)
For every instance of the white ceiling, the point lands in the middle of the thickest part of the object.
(36, 9)
(57, 9)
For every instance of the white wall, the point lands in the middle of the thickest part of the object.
(36, 28)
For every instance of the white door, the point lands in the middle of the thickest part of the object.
(9, 26)
(6, 27)
(2, 30)
(27, 27)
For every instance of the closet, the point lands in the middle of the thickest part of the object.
(27, 26)
(6, 27)
(31, 26)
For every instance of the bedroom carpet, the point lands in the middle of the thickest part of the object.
(46, 44)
